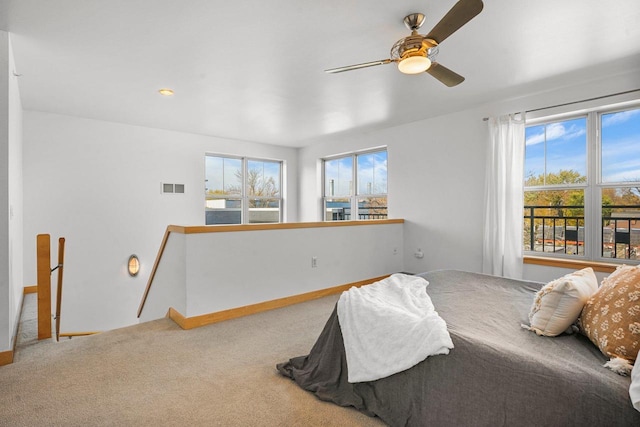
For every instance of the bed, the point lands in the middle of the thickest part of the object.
(497, 374)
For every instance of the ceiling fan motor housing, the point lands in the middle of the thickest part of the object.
(414, 45)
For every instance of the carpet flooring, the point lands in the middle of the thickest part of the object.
(156, 374)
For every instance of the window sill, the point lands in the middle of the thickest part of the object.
(604, 267)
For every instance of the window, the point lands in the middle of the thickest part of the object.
(355, 183)
(242, 191)
(582, 186)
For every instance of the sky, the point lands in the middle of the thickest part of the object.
(565, 143)
(220, 172)
(621, 146)
(372, 174)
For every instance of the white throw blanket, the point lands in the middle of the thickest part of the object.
(390, 326)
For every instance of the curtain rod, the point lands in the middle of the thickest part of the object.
(576, 102)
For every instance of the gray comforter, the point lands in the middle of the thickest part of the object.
(498, 374)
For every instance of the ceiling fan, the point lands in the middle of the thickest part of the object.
(416, 53)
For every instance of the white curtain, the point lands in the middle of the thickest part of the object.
(502, 250)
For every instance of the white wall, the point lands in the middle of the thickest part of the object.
(435, 183)
(98, 185)
(15, 195)
(10, 196)
(5, 289)
(545, 274)
(437, 173)
(211, 272)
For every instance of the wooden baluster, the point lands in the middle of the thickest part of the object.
(59, 293)
(43, 247)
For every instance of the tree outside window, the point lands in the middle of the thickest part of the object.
(241, 190)
(581, 205)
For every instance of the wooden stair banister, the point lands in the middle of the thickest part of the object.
(44, 270)
(155, 268)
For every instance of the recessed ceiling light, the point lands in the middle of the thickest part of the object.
(165, 92)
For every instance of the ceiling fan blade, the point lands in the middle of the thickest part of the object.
(461, 13)
(358, 66)
(445, 75)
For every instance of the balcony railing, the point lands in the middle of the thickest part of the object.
(344, 213)
(561, 229)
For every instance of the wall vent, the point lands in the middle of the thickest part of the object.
(172, 188)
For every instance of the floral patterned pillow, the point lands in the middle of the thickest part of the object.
(611, 318)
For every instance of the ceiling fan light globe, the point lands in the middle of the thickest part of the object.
(414, 65)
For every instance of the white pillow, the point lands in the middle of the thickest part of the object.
(634, 389)
(558, 304)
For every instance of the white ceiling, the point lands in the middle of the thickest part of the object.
(253, 69)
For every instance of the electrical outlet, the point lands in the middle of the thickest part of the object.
(314, 261)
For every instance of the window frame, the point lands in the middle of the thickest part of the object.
(594, 185)
(244, 197)
(354, 194)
